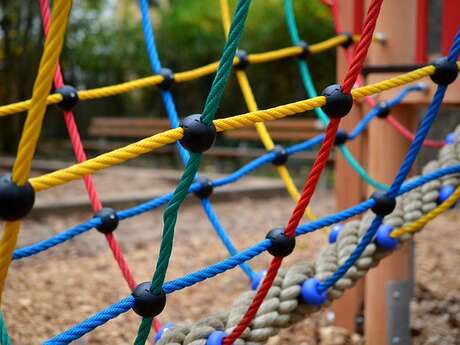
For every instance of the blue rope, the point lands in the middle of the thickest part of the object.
(404, 170)
(162, 200)
(190, 279)
(173, 117)
(207, 206)
(92, 322)
(55, 240)
(361, 126)
(218, 268)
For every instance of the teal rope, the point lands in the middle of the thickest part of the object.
(360, 170)
(4, 337)
(311, 92)
(193, 164)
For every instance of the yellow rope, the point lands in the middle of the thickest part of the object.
(248, 119)
(422, 221)
(251, 104)
(180, 77)
(33, 124)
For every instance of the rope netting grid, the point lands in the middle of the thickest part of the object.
(234, 177)
(80, 156)
(332, 128)
(335, 11)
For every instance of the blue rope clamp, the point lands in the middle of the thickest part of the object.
(310, 293)
(334, 233)
(383, 238)
(216, 338)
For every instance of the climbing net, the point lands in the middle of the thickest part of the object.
(279, 297)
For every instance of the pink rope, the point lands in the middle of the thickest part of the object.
(80, 156)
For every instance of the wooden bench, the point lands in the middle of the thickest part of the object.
(113, 132)
(126, 127)
(286, 130)
(291, 130)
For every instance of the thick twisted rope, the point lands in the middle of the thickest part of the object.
(402, 174)
(213, 270)
(313, 176)
(283, 305)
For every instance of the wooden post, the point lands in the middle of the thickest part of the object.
(349, 189)
(387, 150)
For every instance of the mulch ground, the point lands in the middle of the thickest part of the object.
(48, 293)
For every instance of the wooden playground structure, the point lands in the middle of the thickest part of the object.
(279, 297)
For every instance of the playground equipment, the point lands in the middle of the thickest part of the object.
(354, 247)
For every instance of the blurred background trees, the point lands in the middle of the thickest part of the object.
(105, 45)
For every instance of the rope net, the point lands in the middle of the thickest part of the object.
(278, 299)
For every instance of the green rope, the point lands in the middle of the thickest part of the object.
(193, 164)
(311, 92)
(226, 62)
(4, 337)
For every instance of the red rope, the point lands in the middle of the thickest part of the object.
(80, 156)
(391, 120)
(363, 46)
(408, 134)
(314, 175)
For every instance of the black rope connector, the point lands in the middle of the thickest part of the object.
(384, 204)
(383, 110)
(198, 137)
(349, 37)
(281, 155)
(206, 188)
(445, 73)
(109, 220)
(281, 244)
(305, 53)
(341, 137)
(168, 79)
(146, 303)
(15, 201)
(243, 61)
(69, 97)
(338, 104)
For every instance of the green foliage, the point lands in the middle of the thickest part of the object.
(105, 45)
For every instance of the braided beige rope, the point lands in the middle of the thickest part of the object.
(282, 306)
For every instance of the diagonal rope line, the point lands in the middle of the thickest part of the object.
(173, 117)
(215, 269)
(191, 168)
(156, 141)
(404, 170)
(261, 129)
(33, 123)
